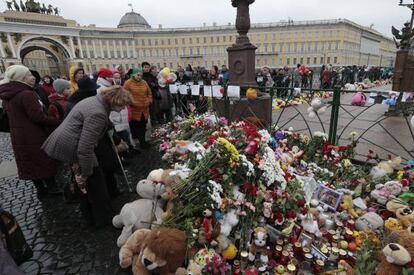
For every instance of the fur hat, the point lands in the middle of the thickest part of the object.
(15, 73)
(60, 85)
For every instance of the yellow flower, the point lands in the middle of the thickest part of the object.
(235, 156)
(347, 163)
(400, 175)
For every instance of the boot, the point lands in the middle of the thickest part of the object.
(40, 189)
(52, 186)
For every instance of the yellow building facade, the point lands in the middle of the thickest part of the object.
(313, 43)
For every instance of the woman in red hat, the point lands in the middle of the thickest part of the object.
(105, 79)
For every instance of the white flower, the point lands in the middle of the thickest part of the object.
(265, 136)
(246, 163)
(271, 168)
(320, 134)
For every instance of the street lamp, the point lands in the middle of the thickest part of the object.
(411, 7)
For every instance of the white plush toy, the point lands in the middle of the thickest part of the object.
(229, 221)
(316, 106)
(385, 167)
(140, 213)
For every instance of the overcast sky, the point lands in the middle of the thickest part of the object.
(193, 13)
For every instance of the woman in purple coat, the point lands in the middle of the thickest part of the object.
(29, 128)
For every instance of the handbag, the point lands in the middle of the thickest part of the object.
(16, 244)
(4, 121)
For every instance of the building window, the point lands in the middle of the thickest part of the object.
(224, 38)
(156, 42)
(288, 61)
(169, 41)
(294, 61)
(328, 60)
(335, 59)
(230, 38)
(301, 60)
(218, 39)
(321, 60)
(183, 41)
(162, 41)
(176, 41)
(149, 42)
(308, 60)
(205, 39)
(281, 47)
(198, 40)
(212, 39)
(191, 40)
(171, 65)
(143, 42)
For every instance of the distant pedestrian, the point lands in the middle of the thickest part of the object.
(48, 85)
(29, 128)
(141, 100)
(75, 74)
(58, 100)
(152, 82)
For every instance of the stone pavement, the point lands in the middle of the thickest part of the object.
(54, 228)
(400, 141)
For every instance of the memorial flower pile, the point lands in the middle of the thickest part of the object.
(280, 201)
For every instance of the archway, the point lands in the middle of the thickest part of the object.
(45, 54)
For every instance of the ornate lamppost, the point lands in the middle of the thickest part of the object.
(403, 80)
(242, 53)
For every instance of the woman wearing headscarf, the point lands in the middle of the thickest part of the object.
(75, 74)
(75, 140)
(141, 100)
(29, 128)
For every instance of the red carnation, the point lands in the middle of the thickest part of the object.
(404, 182)
(279, 216)
(301, 203)
(304, 211)
(291, 214)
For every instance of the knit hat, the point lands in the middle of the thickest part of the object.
(60, 85)
(136, 70)
(104, 73)
(15, 73)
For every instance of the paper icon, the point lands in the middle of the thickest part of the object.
(216, 91)
(195, 90)
(183, 89)
(173, 89)
(233, 91)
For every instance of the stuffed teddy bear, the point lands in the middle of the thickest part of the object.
(348, 205)
(384, 192)
(161, 251)
(369, 221)
(169, 179)
(397, 254)
(317, 106)
(385, 167)
(392, 224)
(140, 213)
(404, 213)
(192, 269)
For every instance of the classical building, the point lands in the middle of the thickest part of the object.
(339, 42)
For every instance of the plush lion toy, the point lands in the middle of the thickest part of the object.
(161, 251)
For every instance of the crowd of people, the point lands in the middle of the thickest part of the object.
(91, 121)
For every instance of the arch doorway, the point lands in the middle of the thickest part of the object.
(45, 55)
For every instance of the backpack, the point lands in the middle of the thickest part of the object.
(16, 244)
(4, 121)
(358, 99)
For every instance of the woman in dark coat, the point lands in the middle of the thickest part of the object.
(29, 128)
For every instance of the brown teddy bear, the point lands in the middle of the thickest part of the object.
(396, 255)
(161, 251)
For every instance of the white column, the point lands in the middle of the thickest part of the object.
(129, 54)
(134, 50)
(94, 49)
(88, 53)
(101, 48)
(72, 46)
(80, 47)
(2, 52)
(11, 46)
(120, 48)
(115, 49)
(108, 51)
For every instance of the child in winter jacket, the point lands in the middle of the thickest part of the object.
(58, 100)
